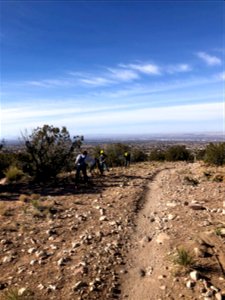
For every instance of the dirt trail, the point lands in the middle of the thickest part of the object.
(182, 210)
(146, 262)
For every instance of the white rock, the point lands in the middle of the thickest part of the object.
(7, 259)
(31, 250)
(190, 284)
(195, 275)
(61, 261)
(21, 291)
(222, 232)
(212, 287)
(102, 211)
(103, 218)
(171, 204)
(52, 287)
(171, 217)
(41, 286)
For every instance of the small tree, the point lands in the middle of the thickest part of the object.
(49, 151)
(137, 155)
(115, 153)
(157, 155)
(178, 153)
(215, 154)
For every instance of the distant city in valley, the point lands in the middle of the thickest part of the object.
(142, 138)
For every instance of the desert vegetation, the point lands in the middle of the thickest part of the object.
(49, 151)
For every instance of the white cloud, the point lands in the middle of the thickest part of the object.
(48, 83)
(96, 81)
(149, 69)
(178, 113)
(209, 59)
(110, 117)
(123, 75)
(178, 68)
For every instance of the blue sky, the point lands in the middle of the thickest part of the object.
(112, 67)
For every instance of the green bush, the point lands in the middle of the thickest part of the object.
(200, 154)
(6, 159)
(215, 154)
(115, 154)
(49, 151)
(178, 153)
(137, 155)
(13, 174)
(157, 155)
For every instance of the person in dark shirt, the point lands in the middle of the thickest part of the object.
(127, 159)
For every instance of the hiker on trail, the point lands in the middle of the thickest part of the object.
(127, 159)
(92, 163)
(81, 166)
(96, 165)
(102, 162)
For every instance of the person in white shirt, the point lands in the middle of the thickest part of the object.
(81, 166)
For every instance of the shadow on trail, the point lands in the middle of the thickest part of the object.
(66, 186)
(11, 192)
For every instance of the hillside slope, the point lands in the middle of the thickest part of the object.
(116, 239)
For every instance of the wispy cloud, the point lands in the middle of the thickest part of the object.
(209, 59)
(178, 68)
(26, 119)
(123, 75)
(160, 87)
(96, 81)
(48, 83)
(150, 69)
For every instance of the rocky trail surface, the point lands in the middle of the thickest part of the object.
(116, 239)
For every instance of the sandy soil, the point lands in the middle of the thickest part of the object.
(118, 238)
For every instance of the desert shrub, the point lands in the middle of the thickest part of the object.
(157, 155)
(24, 198)
(137, 155)
(6, 160)
(16, 294)
(13, 174)
(215, 154)
(218, 231)
(49, 151)
(191, 181)
(115, 154)
(218, 178)
(207, 174)
(200, 154)
(183, 258)
(178, 153)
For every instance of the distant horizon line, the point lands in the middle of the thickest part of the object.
(140, 136)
